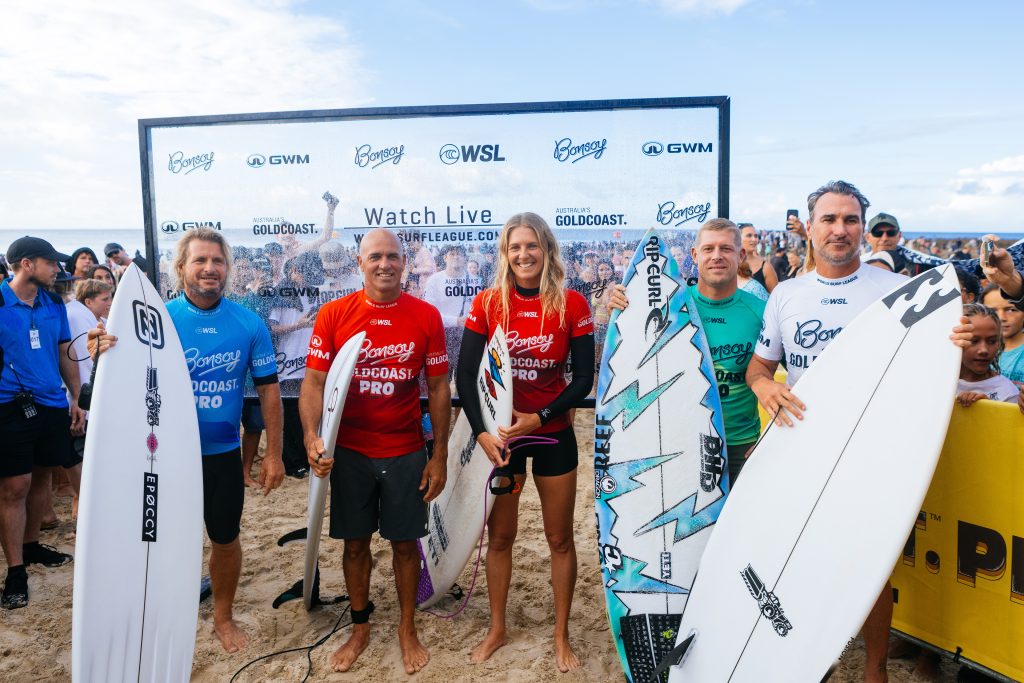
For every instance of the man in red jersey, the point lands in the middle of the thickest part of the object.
(379, 467)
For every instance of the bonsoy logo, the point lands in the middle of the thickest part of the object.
(451, 154)
(566, 150)
(149, 326)
(259, 160)
(366, 155)
(179, 163)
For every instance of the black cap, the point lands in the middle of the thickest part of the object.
(33, 247)
(884, 219)
(112, 247)
(65, 276)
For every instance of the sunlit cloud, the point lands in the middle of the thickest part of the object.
(75, 76)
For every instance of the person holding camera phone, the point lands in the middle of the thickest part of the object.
(35, 421)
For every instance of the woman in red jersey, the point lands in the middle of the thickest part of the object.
(544, 323)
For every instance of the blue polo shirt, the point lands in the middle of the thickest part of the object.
(38, 370)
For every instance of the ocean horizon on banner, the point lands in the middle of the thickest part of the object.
(295, 192)
(959, 585)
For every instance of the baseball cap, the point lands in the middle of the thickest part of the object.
(33, 247)
(111, 248)
(883, 219)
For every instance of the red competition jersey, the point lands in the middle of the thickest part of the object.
(382, 410)
(538, 357)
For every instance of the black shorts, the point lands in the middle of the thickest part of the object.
(76, 453)
(223, 495)
(549, 460)
(41, 441)
(371, 493)
(736, 460)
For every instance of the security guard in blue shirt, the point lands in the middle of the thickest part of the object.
(36, 424)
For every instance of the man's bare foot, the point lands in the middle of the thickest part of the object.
(414, 655)
(346, 655)
(880, 675)
(565, 659)
(231, 636)
(927, 666)
(250, 482)
(488, 646)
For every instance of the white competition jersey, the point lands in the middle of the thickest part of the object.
(804, 314)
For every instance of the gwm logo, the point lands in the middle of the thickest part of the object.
(149, 326)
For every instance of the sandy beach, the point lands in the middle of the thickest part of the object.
(35, 642)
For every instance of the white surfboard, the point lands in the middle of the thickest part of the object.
(140, 519)
(660, 470)
(456, 517)
(335, 392)
(812, 531)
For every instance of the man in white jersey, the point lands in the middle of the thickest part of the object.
(804, 315)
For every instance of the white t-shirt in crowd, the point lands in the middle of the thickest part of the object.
(805, 313)
(452, 295)
(996, 388)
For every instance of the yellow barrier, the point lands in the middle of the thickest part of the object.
(960, 584)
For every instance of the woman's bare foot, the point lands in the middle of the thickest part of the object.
(346, 655)
(231, 636)
(414, 655)
(565, 659)
(488, 646)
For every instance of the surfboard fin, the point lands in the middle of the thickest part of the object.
(291, 536)
(295, 593)
(673, 658)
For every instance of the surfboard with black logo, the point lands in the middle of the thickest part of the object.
(660, 471)
(812, 531)
(335, 392)
(139, 543)
(456, 517)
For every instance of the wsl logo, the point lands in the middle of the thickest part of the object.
(451, 154)
(771, 608)
(259, 160)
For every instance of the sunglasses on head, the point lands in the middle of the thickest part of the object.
(888, 232)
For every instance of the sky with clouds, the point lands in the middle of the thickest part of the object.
(920, 104)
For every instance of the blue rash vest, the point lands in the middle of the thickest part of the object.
(221, 345)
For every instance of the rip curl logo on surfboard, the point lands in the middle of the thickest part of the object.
(771, 608)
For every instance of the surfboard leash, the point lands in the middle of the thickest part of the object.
(514, 443)
(308, 649)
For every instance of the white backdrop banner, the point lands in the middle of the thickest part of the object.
(294, 193)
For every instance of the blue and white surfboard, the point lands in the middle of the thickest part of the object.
(660, 470)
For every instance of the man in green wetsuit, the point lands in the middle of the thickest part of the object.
(732, 320)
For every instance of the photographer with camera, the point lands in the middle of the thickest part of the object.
(35, 422)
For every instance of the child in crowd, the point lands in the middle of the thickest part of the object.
(979, 370)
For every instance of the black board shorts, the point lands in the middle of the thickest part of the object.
(549, 460)
(40, 441)
(368, 494)
(223, 495)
